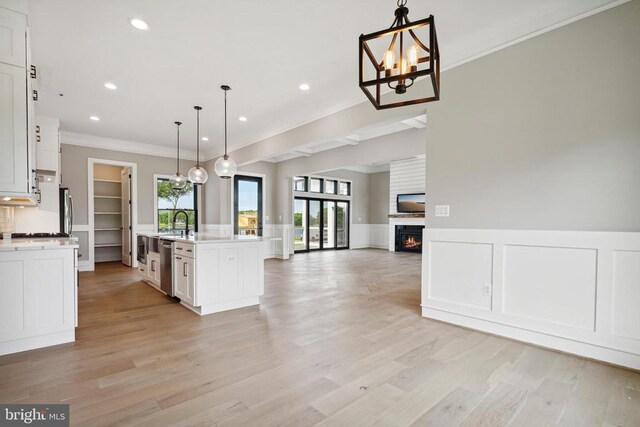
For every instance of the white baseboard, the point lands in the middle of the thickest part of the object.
(573, 291)
(31, 343)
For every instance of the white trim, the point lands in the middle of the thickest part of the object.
(83, 140)
(536, 33)
(134, 207)
(222, 230)
(574, 291)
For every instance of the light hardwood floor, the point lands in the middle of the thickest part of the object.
(337, 341)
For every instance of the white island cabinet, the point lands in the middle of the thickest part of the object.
(213, 273)
(38, 293)
(218, 274)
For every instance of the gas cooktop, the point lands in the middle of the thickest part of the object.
(37, 235)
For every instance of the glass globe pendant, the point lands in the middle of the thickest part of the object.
(197, 174)
(178, 181)
(225, 167)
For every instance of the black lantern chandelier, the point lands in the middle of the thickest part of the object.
(406, 59)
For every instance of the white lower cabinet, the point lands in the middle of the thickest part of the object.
(37, 299)
(153, 269)
(184, 278)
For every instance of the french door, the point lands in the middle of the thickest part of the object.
(320, 224)
(247, 205)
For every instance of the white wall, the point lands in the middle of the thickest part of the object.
(574, 291)
(406, 176)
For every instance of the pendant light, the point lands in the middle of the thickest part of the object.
(178, 181)
(197, 174)
(401, 65)
(225, 167)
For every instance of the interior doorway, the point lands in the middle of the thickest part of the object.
(247, 205)
(112, 214)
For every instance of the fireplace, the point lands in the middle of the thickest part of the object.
(409, 238)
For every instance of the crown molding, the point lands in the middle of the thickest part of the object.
(91, 141)
(349, 104)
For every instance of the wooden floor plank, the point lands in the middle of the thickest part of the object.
(337, 340)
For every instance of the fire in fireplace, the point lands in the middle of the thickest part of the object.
(409, 238)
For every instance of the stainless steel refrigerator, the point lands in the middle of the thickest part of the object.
(66, 211)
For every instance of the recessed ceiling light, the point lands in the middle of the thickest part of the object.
(94, 118)
(139, 24)
(6, 199)
(303, 86)
(242, 118)
(204, 138)
(110, 85)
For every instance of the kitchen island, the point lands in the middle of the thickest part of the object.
(38, 293)
(213, 274)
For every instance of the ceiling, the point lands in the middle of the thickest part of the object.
(262, 49)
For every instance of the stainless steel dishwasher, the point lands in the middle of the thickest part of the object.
(166, 267)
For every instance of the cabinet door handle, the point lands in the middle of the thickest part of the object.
(178, 257)
(34, 95)
(179, 249)
(184, 269)
(153, 266)
(33, 72)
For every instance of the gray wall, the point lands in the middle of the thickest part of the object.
(218, 193)
(379, 198)
(359, 193)
(401, 145)
(544, 134)
(74, 176)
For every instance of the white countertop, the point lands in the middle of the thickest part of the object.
(209, 238)
(38, 244)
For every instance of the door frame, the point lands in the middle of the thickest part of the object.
(130, 208)
(322, 248)
(198, 201)
(90, 203)
(261, 199)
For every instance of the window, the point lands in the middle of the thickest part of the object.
(315, 185)
(330, 186)
(247, 205)
(345, 188)
(300, 183)
(170, 201)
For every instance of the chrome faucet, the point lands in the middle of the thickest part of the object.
(186, 221)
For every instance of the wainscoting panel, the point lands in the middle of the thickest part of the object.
(626, 294)
(577, 292)
(379, 236)
(359, 237)
(550, 284)
(459, 273)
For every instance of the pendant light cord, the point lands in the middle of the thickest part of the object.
(178, 150)
(198, 137)
(225, 125)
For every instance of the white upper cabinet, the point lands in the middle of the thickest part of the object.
(17, 116)
(14, 173)
(13, 33)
